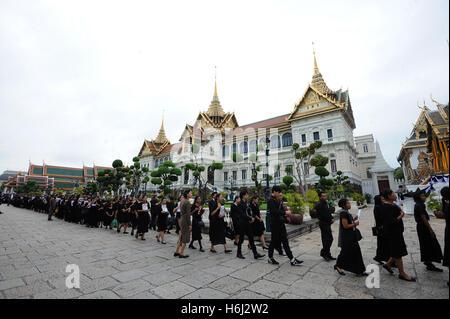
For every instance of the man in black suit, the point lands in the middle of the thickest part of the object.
(325, 222)
(245, 226)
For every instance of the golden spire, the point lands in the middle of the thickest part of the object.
(215, 109)
(317, 80)
(161, 138)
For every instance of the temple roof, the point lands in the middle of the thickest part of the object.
(161, 138)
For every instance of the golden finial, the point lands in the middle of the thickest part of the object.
(215, 81)
(315, 61)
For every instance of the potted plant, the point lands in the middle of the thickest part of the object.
(296, 206)
(358, 198)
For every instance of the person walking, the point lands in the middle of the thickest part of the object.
(185, 225)
(246, 220)
(154, 209)
(445, 210)
(393, 229)
(350, 257)
(143, 218)
(325, 222)
(430, 250)
(258, 224)
(217, 224)
(197, 223)
(52, 207)
(162, 218)
(278, 214)
(234, 214)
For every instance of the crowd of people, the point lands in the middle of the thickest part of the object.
(244, 220)
(388, 229)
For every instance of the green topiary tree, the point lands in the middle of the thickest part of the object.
(166, 174)
(319, 162)
(300, 155)
(287, 185)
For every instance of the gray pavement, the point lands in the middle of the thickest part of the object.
(34, 254)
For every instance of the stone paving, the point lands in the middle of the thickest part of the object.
(34, 254)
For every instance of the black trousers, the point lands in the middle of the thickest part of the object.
(279, 237)
(153, 220)
(327, 238)
(246, 229)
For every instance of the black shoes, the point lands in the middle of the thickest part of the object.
(176, 254)
(240, 256)
(340, 272)
(184, 256)
(202, 250)
(296, 262)
(273, 261)
(258, 255)
(432, 267)
(227, 251)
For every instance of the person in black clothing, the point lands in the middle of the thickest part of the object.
(381, 253)
(171, 217)
(325, 222)
(258, 224)
(217, 225)
(445, 208)
(430, 250)
(234, 214)
(154, 212)
(143, 218)
(350, 257)
(161, 221)
(133, 219)
(278, 213)
(197, 213)
(246, 220)
(108, 215)
(123, 216)
(177, 211)
(393, 229)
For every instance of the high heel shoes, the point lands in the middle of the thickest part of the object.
(340, 272)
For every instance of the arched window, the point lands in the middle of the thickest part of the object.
(287, 139)
(275, 141)
(234, 148)
(225, 151)
(243, 148)
(253, 146)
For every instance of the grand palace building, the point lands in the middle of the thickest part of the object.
(320, 114)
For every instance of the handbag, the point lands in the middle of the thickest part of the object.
(229, 233)
(358, 234)
(114, 223)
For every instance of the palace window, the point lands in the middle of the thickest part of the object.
(333, 166)
(243, 147)
(316, 136)
(287, 139)
(234, 175)
(225, 176)
(244, 174)
(303, 139)
(365, 148)
(225, 151)
(369, 174)
(234, 148)
(253, 146)
(275, 142)
(330, 134)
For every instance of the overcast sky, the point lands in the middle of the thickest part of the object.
(87, 81)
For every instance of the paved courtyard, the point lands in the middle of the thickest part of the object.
(34, 254)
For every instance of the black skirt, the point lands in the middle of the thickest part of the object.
(217, 231)
(350, 257)
(161, 222)
(430, 250)
(142, 222)
(258, 228)
(123, 217)
(397, 246)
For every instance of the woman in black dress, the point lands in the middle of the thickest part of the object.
(258, 224)
(133, 219)
(217, 225)
(143, 218)
(350, 257)
(123, 216)
(393, 229)
(197, 213)
(93, 214)
(108, 215)
(445, 208)
(382, 248)
(430, 250)
(161, 220)
(234, 214)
